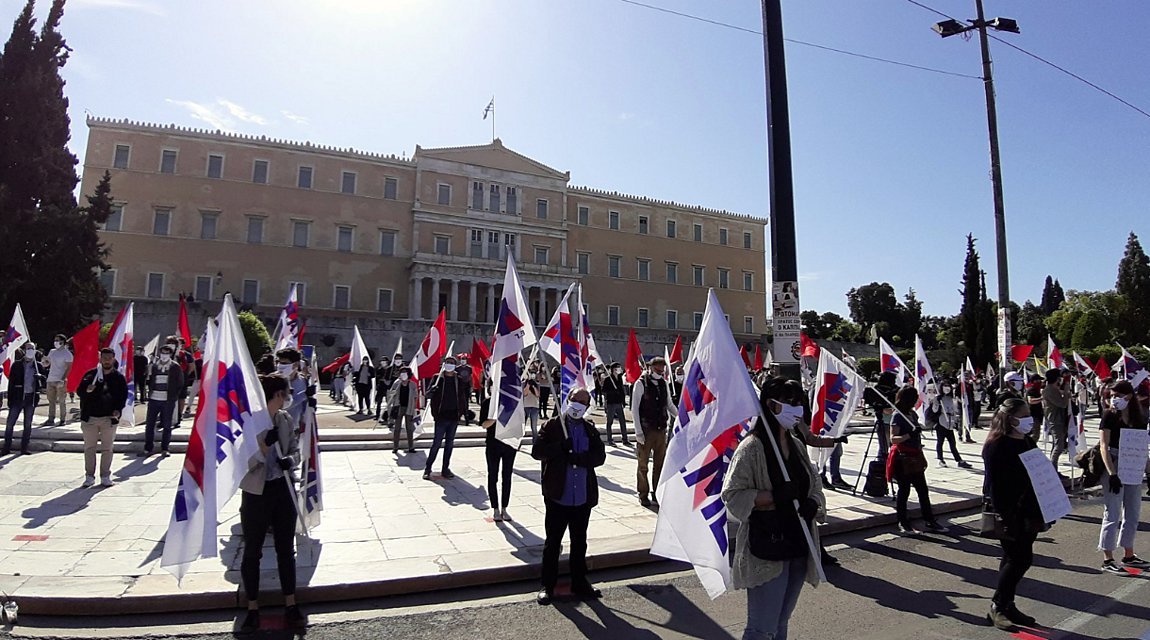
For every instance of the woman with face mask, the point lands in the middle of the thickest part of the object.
(1123, 502)
(1007, 487)
(943, 414)
(531, 405)
(401, 401)
(906, 463)
(755, 483)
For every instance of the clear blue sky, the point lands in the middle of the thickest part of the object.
(891, 164)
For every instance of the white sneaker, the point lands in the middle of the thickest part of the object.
(106, 481)
(89, 481)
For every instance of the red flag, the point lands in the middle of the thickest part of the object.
(429, 357)
(810, 349)
(1021, 352)
(302, 326)
(337, 363)
(182, 324)
(477, 359)
(634, 364)
(677, 350)
(746, 357)
(1102, 369)
(119, 317)
(86, 354)
(758, 356)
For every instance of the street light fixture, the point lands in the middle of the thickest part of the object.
(949, 28)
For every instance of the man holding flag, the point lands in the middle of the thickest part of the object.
(103, 393)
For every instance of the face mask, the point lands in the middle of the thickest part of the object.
(790, 415)
(618, 372)
(679, 378)
(1119, 403)
(29, 354)
(383, 363)
(656, 375)
(448, 368)
(1017, 385)
(946, 389)
(284, 370)
(403, 376)
(165, 358)
(288, 401)
(576, 410)
(58, 344)
(1025, 425)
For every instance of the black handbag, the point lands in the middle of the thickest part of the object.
(776, 535)
(991, 525)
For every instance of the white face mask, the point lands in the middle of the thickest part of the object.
(656, 375)
(288, 401)
(1119, 403)
(29, 354)
(679, 378)
(448, 368)
(946, 389)
(790, 415)
(399, 362)
(284, 370)
(618, 372)
(1025, 425)
(576, 410)
(403, 376)
(165, 358)
(58, 344)
(1017, 385)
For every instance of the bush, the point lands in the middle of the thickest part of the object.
(256, 335)
(869, 367)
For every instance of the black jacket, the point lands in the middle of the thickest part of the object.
(108, 397)
(447, 384)
(16, 382)
(550, 448)
(614, 390)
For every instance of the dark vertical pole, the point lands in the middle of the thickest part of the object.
(784, 264)
(1004, 329)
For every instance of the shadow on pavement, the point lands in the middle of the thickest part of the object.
(74, 501)
(608, 625)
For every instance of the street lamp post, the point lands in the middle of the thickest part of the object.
(949, 28)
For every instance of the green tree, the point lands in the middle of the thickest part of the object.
(1134, 285)
(1090, 330)
(49, 251)
(977, 324)
(872, 303)
(1106, 306)
(1030, 327)
(256, 334)
(911, 314)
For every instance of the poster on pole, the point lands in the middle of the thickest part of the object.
(786, 324)
(1132, 452)
(1052, 498)
(1005, 340)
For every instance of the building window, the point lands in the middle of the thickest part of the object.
(162, 222)
(672, 273)
(115, 218)
(671, 229)
(209, 224)
(477, 196)
(698, 319)
(260, 171)
(203, 291)
(643, 317)
(383, 300)
(108, 280)
(251, 294)
(541, 208)
(300, 234)
(613, 266)
(746, 240)
(493, 245)
(155, 287)
(748, 281)
(583, 262)
(168, 161)
(123, 152)
(444, 195)
(443, 245)
(347, 182)
(722, 236)
(300, 291)
(494, 201)
(341, 297)
(643, 225)
(343, 238)
(304, 180)
(698, 230)
(698, 272)
(612, 315)
(215, 166)
(644, 269)
(508, 245)
(387, 243)
(512, 201)
(748, 324)
(724, 278)
(541, 254)
(255, 230)
(613, 220)
(672, 319)
(584, 216)
(475, 246)
(390, 188)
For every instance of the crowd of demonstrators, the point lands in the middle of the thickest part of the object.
(653, 412)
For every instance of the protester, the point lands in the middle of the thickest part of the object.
(754, 483)
(25, 382)
(187, 361)
(448, 397)
(531, 405)
(1122, 502)
(103, 393)
(544, 381)
(291, 365)
(1007, 486)
(1033, 397)
(140, 364)
(653, 413)
(570, 447)
(339, 383)
(906, 463)
(266, 502)
(881, 398)
(164, 378)
(498, 453)
(402, 400)
(364, 376)
(1012, 387)
(556, 390)
(1056, 409)
(615, 399)
(942, 414)
(59, 364)
(385, 376)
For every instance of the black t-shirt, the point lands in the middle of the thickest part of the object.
(1007, 482)
(902, 427)
(1036, 410)
(1113, 422)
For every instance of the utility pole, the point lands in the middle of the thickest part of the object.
(786, 344)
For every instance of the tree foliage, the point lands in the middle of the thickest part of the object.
(876, 305)
(1133, 284)
(256, 334)
(1086, 319)
(977, 323)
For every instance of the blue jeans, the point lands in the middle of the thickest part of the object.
(770, 605)
(531, 415)
(615, 412)
(25, 405)
(160, 410)
(836, 462)
(1128, 503)
(445, 437)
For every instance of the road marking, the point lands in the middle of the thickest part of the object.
(1100, 607)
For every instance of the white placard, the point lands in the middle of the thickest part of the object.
(1047, 485)
(1133, 449)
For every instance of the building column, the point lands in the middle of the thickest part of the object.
(453, 302)
(472, 311)
(435, 298)
(417, 298)
(489, 309)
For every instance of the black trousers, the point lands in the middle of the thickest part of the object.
(272, 509)
(557, 520)
(1017, 556)
(363, 392)
(544, 396)
(919, 483)
(499, 453)
(940, 435)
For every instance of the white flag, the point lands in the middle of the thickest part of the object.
(549, 340)
(289, 322)
(121, 342)
(889, 361)
(310, 496)
(513, 333)
(923, 375)
(838, 391)
(14, 337)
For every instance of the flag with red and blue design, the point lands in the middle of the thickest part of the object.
(14, 337)
(514, 332)
(837, 394)
(310, 496)
(231, 418)
(120, 340)
(889, 361)
(549, 340)
(290, 323)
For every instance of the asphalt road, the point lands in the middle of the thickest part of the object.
(888, 587)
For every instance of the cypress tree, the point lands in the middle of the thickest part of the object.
(1134, 286)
